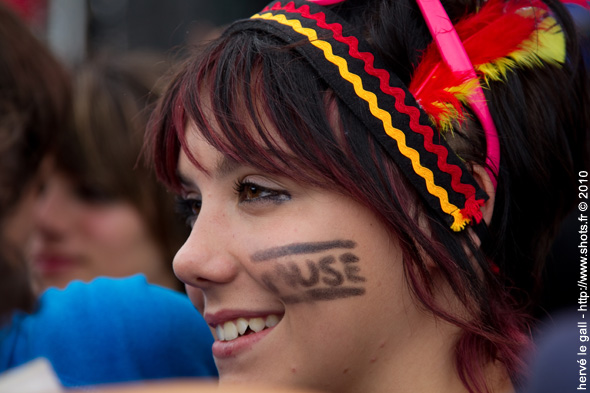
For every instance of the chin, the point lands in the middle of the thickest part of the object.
(53, 282)
(254, 377)
(283, 381)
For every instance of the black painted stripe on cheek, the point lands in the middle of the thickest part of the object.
(300, 248)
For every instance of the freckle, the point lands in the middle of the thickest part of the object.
(293, 370)
(345, 371)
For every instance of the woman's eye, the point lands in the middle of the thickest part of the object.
(251, 192)
(189, 209)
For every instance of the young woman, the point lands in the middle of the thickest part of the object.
(372, 188)
(101, 214)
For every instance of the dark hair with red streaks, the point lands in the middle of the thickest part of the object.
(257, 101)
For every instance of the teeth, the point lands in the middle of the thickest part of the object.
(231, 330)
(219, 331)
(271, 320)
(242, 325)
(257, 324)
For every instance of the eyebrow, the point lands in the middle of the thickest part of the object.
(225, 167)
(300, 248)
(184, 180)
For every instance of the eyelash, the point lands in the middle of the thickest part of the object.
(189, 208)
(269, 194)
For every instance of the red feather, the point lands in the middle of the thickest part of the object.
(495, 32)
(491, 34)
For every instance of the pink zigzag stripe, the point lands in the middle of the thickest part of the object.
(399, 95)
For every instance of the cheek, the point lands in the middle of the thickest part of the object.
(17, 229)
(113, 228)
(318, 276)
(18, 226)
(196, 297)
(309, 260)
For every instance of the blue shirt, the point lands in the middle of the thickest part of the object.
(109, 331)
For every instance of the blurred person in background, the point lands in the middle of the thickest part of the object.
(101, 213)
(107, 331)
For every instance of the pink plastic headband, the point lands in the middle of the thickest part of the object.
(453, 53)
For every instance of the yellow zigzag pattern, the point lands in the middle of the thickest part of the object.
(379, 113)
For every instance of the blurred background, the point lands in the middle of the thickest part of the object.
(77, 29)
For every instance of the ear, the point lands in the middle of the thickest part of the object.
(483, 179)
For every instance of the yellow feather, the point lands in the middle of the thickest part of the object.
(445, 120)
(449, 115)
(546, 44)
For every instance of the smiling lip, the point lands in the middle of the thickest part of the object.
(229, 349)
(53, 264)
(232, 348)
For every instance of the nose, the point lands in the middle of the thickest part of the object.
(206, 258)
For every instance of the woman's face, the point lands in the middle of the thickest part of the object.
(315, 270)
(81, 234)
